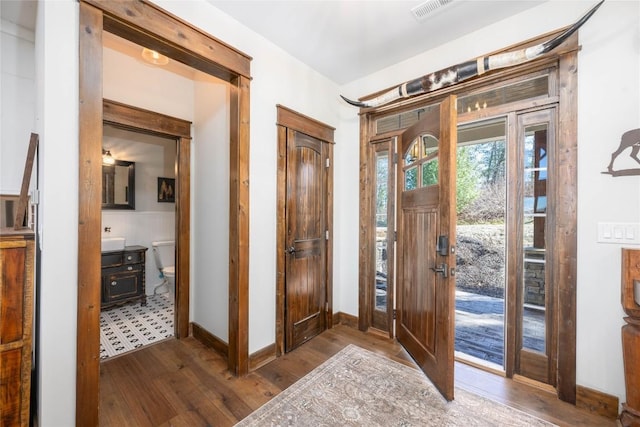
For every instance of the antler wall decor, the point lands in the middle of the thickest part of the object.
(475, 67)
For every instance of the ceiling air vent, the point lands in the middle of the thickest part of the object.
(422, 11)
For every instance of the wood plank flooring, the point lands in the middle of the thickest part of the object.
(183, 383)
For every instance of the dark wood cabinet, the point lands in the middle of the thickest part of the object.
(123, 278)
(16, 321)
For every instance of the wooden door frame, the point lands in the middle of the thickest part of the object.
(565, 58)
(146, 24)
(289, 119)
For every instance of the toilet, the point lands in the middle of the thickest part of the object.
(164, 256)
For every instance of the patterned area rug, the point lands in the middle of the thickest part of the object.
(359, 388)
(130, 326)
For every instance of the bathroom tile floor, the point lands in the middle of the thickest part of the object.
(131, 326)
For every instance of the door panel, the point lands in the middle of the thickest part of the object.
(426, 269)
(305, 266)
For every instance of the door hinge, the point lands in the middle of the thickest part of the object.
(395, 314)
(326, 306)
(326, 234)
(395, 158)
(395, 236)
(328, 162)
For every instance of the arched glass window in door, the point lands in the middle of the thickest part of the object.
(421, 163)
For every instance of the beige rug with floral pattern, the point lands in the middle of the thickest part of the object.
(359, 388)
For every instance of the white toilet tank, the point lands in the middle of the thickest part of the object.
(164, 252)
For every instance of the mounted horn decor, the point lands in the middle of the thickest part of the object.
(475, 67)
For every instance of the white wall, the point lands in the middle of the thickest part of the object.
(607, 107)
(608, 95)
(17, 106)
(57, 124)
(210, 306)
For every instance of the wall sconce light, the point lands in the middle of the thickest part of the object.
(153, 57)
(107, 158)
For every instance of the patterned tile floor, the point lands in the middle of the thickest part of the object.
(130, 326)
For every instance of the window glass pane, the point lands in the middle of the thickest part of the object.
(534, 237)
(411, 178)
(430, 172)
(535, 193)
(412, 153)
(429, 154)
(532, 88)
(429, 146)
(382, 249)
(402, 120)
(535, 152)
(382, 177)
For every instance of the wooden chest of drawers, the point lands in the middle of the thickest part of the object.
(16, 322)
(123, 277)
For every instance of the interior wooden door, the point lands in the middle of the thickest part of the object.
(426, 238)
(306, 239)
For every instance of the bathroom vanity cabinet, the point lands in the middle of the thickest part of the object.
(16, 321)
(123, 276)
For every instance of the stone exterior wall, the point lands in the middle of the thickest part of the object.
(534, 280)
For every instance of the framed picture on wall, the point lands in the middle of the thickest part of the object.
(166, 190)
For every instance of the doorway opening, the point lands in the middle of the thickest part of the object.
(137, 280)
(481, 243)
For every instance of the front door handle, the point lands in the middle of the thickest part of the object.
(291, 250)
(442, 269)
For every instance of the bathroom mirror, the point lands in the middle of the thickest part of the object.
(118, 185)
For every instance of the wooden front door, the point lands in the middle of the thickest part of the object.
(306, 238)
(426, 238)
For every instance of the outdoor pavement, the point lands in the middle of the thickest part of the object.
(480, 327)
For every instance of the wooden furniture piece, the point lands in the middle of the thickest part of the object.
(123, 278)
(630, 416)
(16, 322)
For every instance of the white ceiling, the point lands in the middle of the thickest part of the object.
(349, 39)
(343, 39)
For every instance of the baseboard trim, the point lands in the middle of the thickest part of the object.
(597, 402)
(210, 340)
(262, 357)
(346, 319)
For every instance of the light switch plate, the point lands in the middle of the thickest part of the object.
(619, 232)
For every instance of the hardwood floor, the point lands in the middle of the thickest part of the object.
(183, 383)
